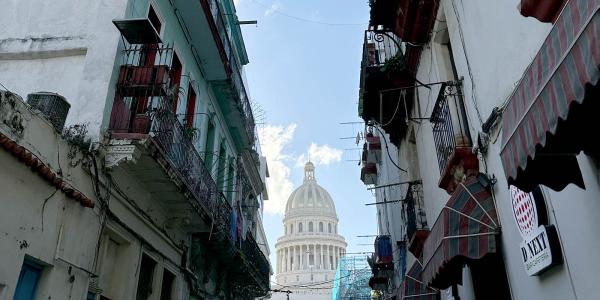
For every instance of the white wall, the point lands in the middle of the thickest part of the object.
(63, 47)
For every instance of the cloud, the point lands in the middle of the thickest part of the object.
(320, 155)
(237, 2)
(274, 140)
(273, 8)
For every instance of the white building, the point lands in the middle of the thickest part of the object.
(161, 153)
(489, 96)
(310, 249)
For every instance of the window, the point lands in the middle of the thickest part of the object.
(221, 168)
(230, 180)
(146, 273)
(176, 70)
(154, 19)
(168, 280)
(299, 227)
(297, 278)
(291, 228)
(320, 226)
(28, 281)
(311, 277)
(209, 147)
(325, 277)
(190, 111)
(329, 227)
(310, 226)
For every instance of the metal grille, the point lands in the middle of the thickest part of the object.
(415, 210)
(380, 47)
(53, 106)
(449, 120)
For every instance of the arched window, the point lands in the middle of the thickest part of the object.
(299, 227)
(320, 226)
(335, 229)
(329, 227)
(285, 229)
(291, 228)
(310, 226)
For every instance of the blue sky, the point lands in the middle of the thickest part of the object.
(305, 75)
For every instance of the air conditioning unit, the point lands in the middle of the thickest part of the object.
(53, 106)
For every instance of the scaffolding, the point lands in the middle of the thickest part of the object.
(352, 279)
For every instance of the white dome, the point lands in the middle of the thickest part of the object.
(310, 199)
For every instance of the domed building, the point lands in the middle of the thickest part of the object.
(309, 250)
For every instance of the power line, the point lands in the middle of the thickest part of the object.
(277, 11)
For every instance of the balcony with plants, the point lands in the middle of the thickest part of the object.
(384, 99)
(147, 140)
(452, 138)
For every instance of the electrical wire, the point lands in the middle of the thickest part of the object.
(277, 11)
(388, 149)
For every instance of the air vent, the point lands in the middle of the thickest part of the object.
(53, 106)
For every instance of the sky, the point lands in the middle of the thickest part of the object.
(304, 76)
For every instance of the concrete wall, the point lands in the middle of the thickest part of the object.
(42, 224)
(62, 47)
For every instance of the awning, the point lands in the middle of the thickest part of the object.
(567, 64)
(464, 231)
(543, 10)
(413, 286)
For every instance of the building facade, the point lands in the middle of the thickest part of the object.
(154, 186)
(476, 121)
(310, 250)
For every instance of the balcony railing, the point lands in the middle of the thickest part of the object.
(143, 108)
(416, 219)
(380, 47)
(449, 120)
(233, 69)
(255, 255)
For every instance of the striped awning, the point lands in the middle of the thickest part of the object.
(568, 61)
(465, 230)
(413, 286)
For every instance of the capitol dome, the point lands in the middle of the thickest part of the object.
(310, 198)
(310, 248)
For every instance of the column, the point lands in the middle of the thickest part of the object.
(321, 256)
(328, 266)
(294, 264)
(300, 258)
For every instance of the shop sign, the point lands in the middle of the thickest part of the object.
(540, 249)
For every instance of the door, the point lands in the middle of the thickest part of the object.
(28, 281)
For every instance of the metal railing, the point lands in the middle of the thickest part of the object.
(380, 47)
(449, 121)
(143, 107)
(415, 210)
(236, 73)
(255, 255)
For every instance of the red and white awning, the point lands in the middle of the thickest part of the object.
(567, 63)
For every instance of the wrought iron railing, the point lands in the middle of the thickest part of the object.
(381, 47)
(449, 120)
(415, 210)
(143, 107)
(236, 71)
(255, 255)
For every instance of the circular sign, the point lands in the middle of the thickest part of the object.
(524, 211)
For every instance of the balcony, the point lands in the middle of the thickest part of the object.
(148, 142)
(231, 91)
(368, 173)
(372, 149)
(452, 138)
(410, 20)
(416, 220)
(385, 77)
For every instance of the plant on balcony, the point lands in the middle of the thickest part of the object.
(395, 64)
